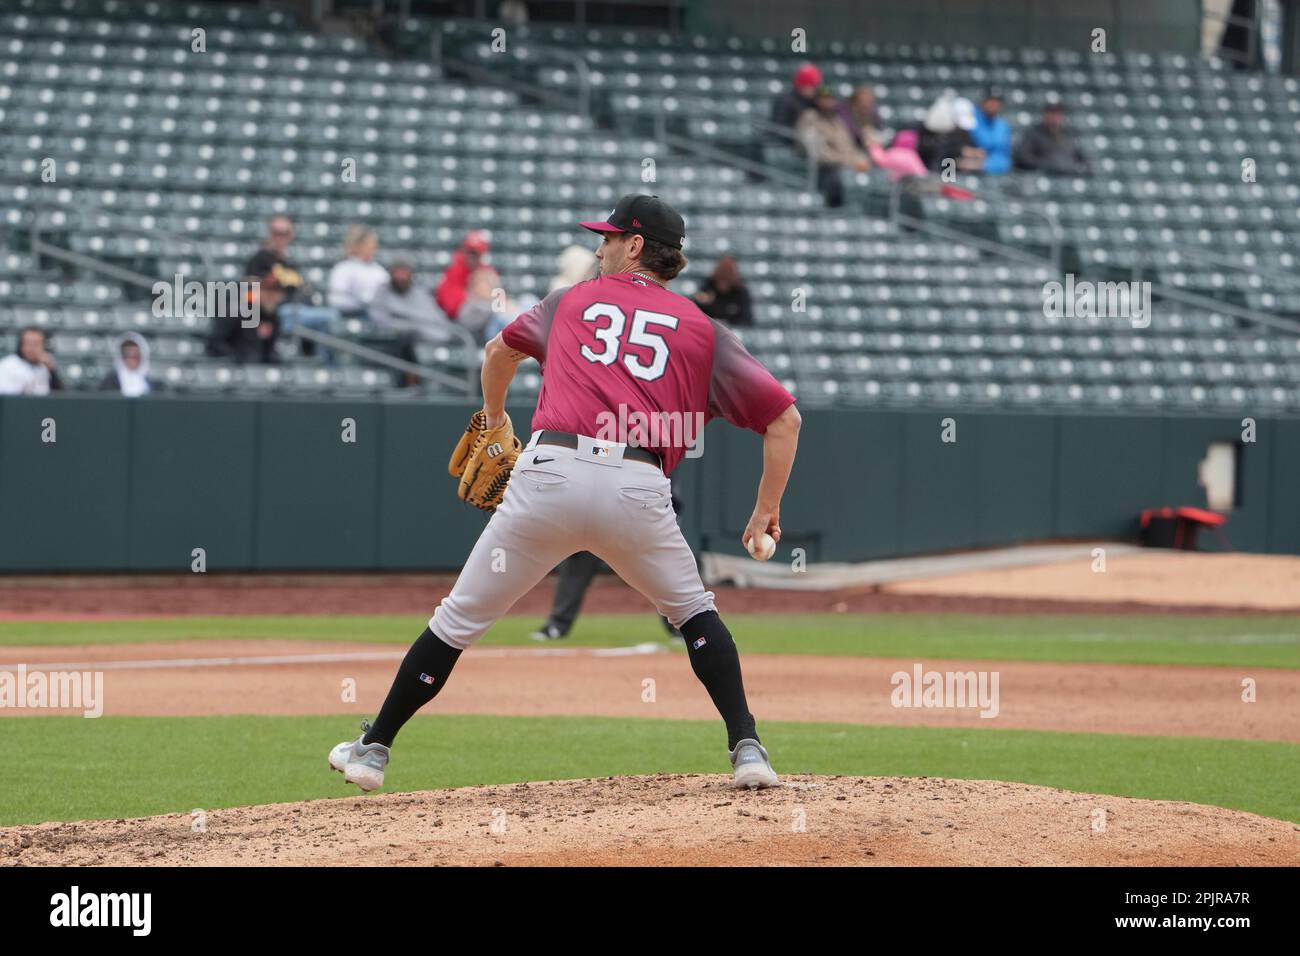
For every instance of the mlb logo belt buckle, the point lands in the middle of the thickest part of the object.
(600, 452)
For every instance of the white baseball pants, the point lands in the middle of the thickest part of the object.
(563, 500)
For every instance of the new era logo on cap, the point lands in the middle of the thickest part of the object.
(648, 216)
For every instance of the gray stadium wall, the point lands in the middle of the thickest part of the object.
(137, 485)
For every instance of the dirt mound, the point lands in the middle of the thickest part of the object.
(683, 819)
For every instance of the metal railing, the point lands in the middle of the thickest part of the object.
(495, 78)
(762, 130)
(1137, 270)
(116, 223)
(1225, 264)
(993, 246)
(468, 384)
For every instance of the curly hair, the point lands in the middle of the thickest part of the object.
(663, 260)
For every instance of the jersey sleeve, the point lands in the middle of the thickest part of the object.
(741, 389)
(530, 330)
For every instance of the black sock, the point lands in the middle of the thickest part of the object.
(424, 670)
(717, 665)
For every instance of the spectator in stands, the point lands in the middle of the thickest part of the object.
(861, 116)
(486, 309)
(31, 370)
(357, 277)
(724, 296)
(831, 145)
(513, 13)
(469, 257)
(398, 306)
(945, 135)
(130, 375)
(789, 107)
(283, 298)
(1047, 146)
(576, 264)
(992, 133)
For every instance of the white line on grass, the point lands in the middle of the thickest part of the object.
(342, 657)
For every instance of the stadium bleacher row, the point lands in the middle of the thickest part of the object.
(169, 162)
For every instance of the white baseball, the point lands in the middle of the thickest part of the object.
(761, 547)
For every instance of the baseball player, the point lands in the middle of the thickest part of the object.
(624, 340)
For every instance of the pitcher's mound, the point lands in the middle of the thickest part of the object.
(684, 819)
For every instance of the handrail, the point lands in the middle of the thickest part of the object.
(120, 223)
(493, 78)
(1224, 263)
(42, 248)
(991, 199)
(1003, 249)
(469, 385)
(764, 127)
(391, 361)
(1212, 304)
(1160, 289)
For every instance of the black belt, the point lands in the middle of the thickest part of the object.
(565, 440)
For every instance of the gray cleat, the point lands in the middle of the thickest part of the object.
(753, 769)
(361, 763)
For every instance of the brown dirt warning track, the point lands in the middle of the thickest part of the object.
(208, 678)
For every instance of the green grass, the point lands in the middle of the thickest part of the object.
(1264, 641)
(135, 766)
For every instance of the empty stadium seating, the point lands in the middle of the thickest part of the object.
(169, 161)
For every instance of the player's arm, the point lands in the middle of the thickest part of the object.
(500, 363)
(746, 394)
(780, 441)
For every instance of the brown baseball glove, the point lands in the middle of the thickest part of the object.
(483, 459)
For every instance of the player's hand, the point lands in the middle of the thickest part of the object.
(495, 421)
(762, 521)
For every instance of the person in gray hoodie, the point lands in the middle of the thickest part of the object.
(398, 306)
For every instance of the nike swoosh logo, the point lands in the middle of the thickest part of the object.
(542, 461)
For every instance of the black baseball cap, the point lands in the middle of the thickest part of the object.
(647, 216)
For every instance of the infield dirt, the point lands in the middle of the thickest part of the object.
(684, 820)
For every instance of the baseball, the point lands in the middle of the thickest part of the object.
(761, 547)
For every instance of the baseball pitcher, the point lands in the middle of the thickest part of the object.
(621, 342)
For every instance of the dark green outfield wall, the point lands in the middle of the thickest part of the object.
(271, 485)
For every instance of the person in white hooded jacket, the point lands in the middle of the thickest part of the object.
(130, 374)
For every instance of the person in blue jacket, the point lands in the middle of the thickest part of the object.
(992, 134)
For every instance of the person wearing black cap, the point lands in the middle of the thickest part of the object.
(992, 133)
(1049, 148)
(631, 372)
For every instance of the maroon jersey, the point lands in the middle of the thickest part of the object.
(627, 360)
